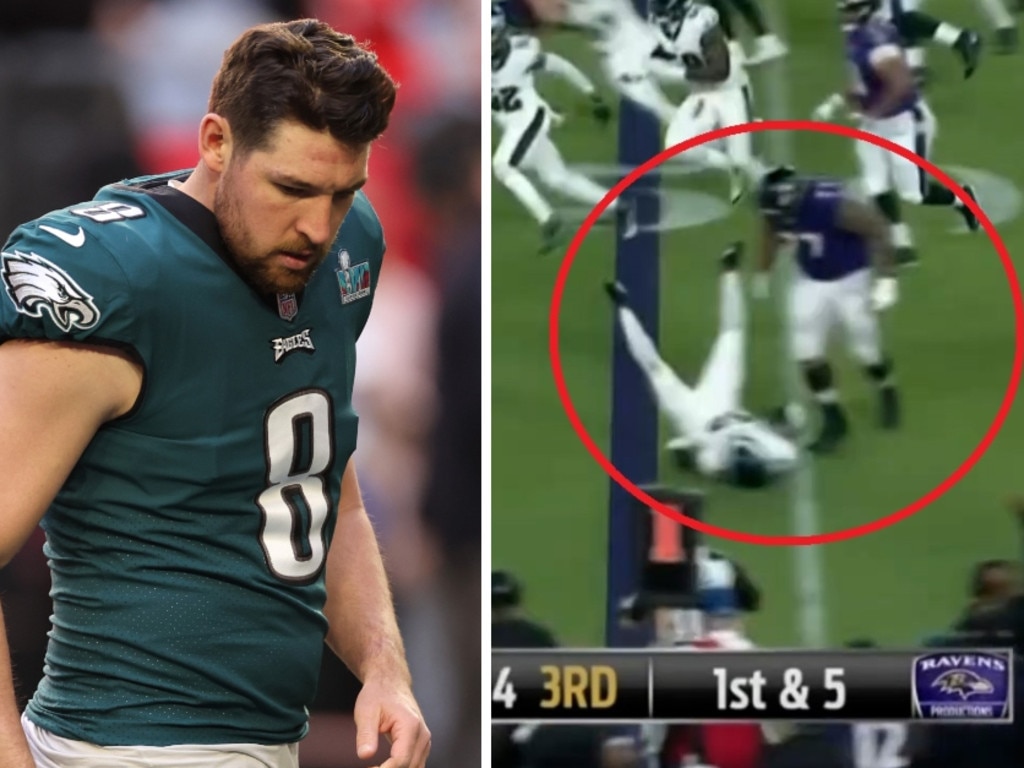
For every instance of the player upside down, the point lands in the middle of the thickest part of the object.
(711, 431)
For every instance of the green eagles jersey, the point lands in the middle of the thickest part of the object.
(187, 547)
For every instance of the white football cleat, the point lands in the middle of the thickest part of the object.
(737, 184)
(679, 444)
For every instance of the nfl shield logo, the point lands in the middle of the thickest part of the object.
(287, 306)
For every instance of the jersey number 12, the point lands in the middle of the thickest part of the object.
(298, 440)
(881, 745)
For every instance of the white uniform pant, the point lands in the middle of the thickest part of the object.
(526, 144)
(702, 417)
(704, 111)
(816, 306)
(719, 388)
(690, 409)
(627, 72)
(526, 147)
(884, 171)
(52, 751)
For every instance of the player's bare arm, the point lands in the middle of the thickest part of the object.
(864, 219)
(715, 64)
(898, 84)
(363, 632)
(556, 65)
(53, 398)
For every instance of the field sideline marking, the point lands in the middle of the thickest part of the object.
(808, 569)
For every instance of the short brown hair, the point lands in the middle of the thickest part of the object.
(304, 71)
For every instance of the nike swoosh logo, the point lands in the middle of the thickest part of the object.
(76, 240)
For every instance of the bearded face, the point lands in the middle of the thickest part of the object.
(280, 207)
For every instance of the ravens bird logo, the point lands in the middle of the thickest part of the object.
(35, 284)
(964, 682)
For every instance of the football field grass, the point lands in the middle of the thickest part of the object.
(951, 337)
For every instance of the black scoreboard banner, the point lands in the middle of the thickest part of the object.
(686, 685)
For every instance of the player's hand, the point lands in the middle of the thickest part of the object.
(388, 707)
(824, 112)
(884, 294)
(600, 110)
(761, 287)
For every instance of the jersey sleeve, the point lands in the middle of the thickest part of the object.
(365, 218)
(527, 49)
(881, 42)
(62, 283)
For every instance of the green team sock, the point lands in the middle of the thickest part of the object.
(917, 27)
(937, 194)
(724, 17)
(889, 205)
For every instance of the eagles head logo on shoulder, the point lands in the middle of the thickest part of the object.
(35, 284)
(964, 682)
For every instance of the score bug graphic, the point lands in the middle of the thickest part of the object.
(563, 687)
(674, 685)
(963, 685)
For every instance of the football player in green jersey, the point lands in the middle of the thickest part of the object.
(176, 374)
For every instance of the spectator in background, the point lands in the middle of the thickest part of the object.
(511, 627)
(64, 130)
(994, 618)
(997, 591)
(543, 746)
(166, 94)
(19, 18)
(447, 173)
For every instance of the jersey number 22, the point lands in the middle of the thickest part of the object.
(506, 99)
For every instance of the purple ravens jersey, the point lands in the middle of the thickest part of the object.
(863, 43)
(824, 250)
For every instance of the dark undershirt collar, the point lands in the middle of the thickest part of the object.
(199, 219)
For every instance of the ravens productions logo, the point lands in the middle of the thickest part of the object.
(36, 284)
(963, 682)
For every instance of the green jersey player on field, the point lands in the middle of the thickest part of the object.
(176, 373)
